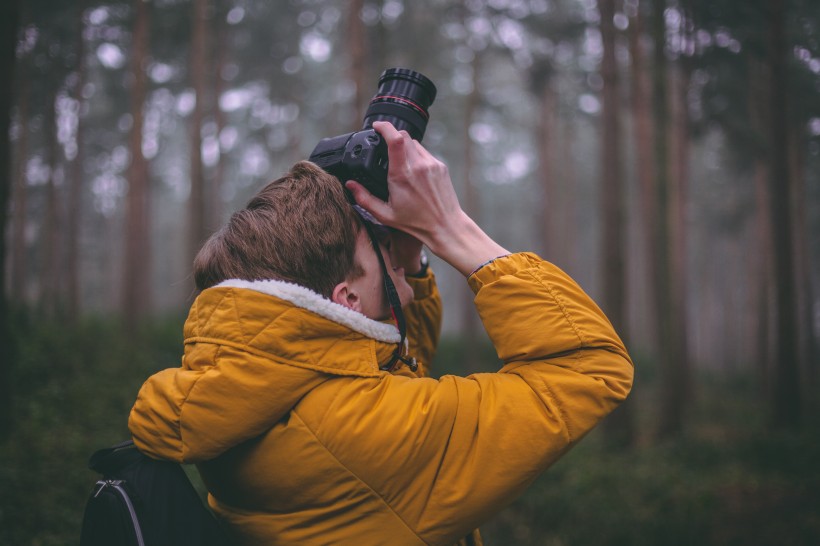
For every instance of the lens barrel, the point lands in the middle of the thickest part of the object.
(402, 99)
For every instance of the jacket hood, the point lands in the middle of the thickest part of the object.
(309, 300)
(253, 349)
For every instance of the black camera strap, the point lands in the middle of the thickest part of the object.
(395, 308)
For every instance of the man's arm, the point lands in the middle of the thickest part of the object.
(424, 209)
(455, 451)
(423, 317)
(423, 314)
(478, 441)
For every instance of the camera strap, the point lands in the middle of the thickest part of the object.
(395, 308)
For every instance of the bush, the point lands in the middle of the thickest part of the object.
(73, 389)
(726, 481)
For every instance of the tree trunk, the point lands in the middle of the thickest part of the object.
(569, 180)
(805, 293)
(378, 49)
(550, 224)
(642, 122)
(612, 199)
(49, 293)
(219, 118)
(469, 315)
(787, 400)
(19, 260)
(76, 185)
(678, 182)
(671, 414)
(619, 426)
(763, 253)
(197, 214)
(136, 287)
(9, 19)
(357, 43)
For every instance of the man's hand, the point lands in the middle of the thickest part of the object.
(422, 198)
(423, 204)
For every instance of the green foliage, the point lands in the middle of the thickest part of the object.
(726, 481)
(454, 357)
(74, 387)
(696, 490)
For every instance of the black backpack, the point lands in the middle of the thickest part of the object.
(145, 502)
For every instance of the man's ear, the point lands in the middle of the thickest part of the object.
(346, 295)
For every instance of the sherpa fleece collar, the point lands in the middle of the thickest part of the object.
(308, 299)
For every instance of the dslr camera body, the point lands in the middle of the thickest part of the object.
(403, 98)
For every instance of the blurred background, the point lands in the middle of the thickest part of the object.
(665, 153)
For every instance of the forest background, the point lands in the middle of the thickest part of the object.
(666, 153)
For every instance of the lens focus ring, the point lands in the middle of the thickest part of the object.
(402, 99)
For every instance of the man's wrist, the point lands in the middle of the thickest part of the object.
(464, 245)
(488, 262)
(421, 271)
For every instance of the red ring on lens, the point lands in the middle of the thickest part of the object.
(403, 100)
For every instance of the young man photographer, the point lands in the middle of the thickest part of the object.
(299, 434)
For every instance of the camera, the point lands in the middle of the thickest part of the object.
(403, 98)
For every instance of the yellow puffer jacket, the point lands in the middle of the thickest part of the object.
(301, 439)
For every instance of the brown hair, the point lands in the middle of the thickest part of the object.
(299, 228)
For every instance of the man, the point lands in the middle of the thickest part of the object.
(302, 438)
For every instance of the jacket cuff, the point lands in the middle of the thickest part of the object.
(504, 265)
(424, 286)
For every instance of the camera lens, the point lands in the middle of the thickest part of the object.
(402, 99)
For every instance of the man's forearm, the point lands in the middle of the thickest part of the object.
(464, 245)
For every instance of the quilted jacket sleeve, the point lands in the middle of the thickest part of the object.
(454, 451)
(192, 415)
(423, 318)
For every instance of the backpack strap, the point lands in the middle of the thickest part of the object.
(112, 460)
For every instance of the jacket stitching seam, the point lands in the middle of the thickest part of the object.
(356, 476)
(236, 314)
(202, 321)
(324, 416)
(558, 301)
(555, 400)
(562, 306)
(277, 359)
(185, 401)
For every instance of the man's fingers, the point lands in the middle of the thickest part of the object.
(375, 206)
(397, 141)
